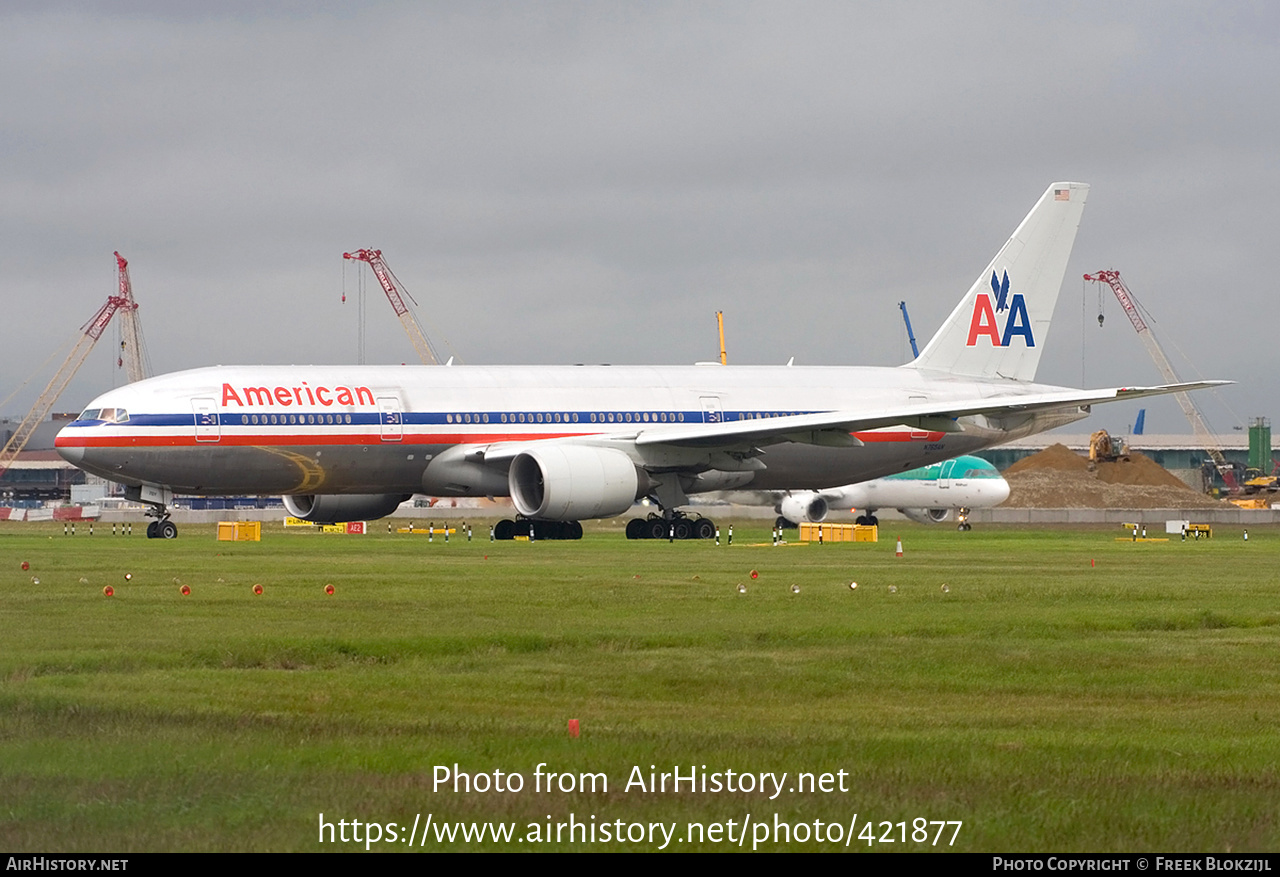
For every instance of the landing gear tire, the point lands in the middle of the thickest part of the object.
(151, 529)
(506, 530)
(678, 527)
(166, 530)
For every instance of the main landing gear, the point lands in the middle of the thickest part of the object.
(676, 527)
(867, 520)
(535, 530)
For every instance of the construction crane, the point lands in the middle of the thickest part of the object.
(90, 333)
(426, 352)
(911, 336)
(133, 350)
(1198, 426)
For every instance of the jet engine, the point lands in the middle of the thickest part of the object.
(804, 507)
(568, 482)
(927, 516)
(337, 508)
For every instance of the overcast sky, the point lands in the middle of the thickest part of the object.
(590, 182)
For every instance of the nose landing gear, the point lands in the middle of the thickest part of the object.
(157, 500)
(163, 528)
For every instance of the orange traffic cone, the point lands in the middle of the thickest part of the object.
(898, 553)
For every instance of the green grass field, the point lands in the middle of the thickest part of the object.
(1067, 693)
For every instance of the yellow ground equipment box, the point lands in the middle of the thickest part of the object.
(838, 533)
(239, 531)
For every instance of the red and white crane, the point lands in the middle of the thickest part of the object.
(90, 332)
(1198, 426)
(133, 350)
(388, 280)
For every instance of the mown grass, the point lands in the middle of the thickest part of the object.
(1067, 692)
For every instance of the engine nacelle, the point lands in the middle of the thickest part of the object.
(807, 507)
(928, 516)
(569, 483)
(342, 507)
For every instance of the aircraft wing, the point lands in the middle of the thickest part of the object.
(834, 427)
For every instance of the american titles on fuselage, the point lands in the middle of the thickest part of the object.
(264, 397)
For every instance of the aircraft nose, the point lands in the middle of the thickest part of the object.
(1000, 491)
(73, 454)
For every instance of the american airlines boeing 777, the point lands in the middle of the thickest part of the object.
(572, 442)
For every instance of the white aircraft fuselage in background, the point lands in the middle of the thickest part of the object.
(928, 494)
(574, 442)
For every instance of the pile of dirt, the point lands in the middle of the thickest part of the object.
(1058, 477)
(1057, 456)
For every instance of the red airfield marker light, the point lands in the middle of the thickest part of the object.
(754, 574)
(25, 566)
(257, 590)
(328, 589)
(108, 591)
(573, 727)
(185, 591)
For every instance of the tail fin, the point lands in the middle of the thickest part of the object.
(1000, 326)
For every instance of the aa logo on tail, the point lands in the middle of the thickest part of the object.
(983, 323)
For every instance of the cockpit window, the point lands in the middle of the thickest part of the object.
(982, 473)
(107, 415)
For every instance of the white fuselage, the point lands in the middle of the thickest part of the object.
(409, 429)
